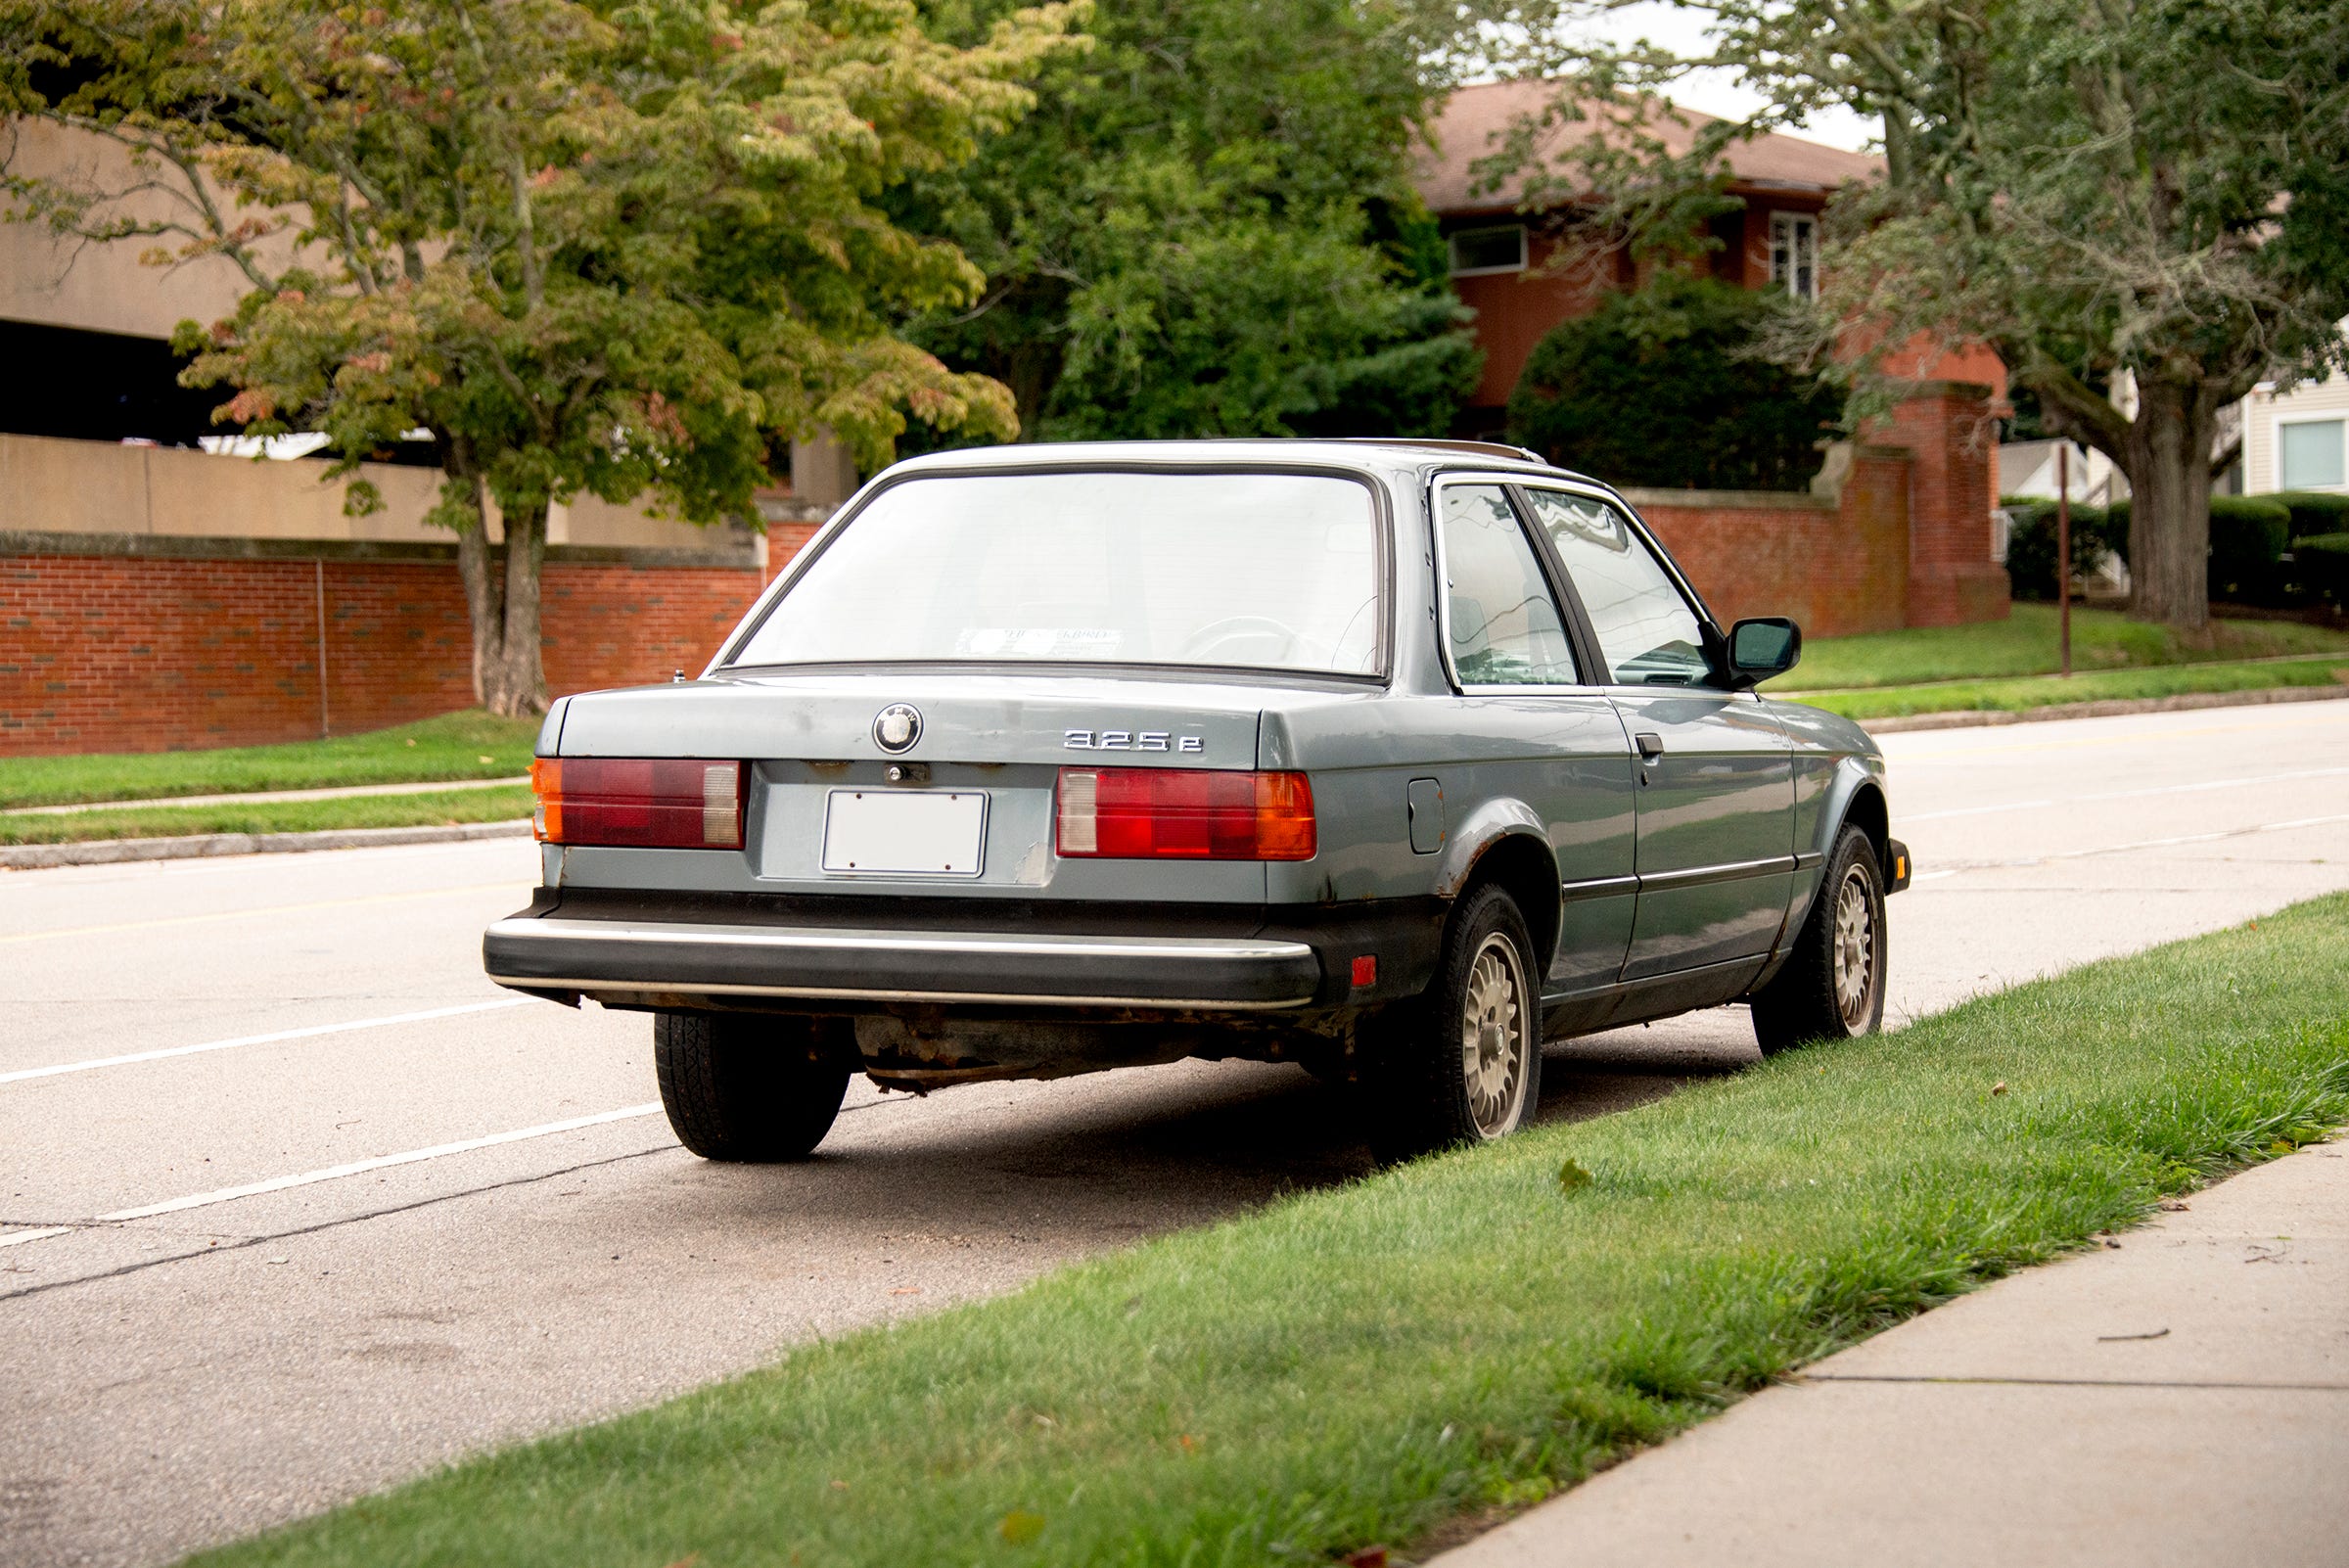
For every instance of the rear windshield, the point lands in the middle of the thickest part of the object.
(1267, 571)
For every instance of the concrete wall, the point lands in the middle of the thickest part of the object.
(49, 486)
(103, 288)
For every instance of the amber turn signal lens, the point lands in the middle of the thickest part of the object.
(638, 802)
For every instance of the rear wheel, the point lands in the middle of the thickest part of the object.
(741, 1087)
(1832, 985)
(1462, 1063)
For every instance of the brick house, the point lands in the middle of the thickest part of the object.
(1868, 548)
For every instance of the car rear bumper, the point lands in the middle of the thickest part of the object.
(634, 958)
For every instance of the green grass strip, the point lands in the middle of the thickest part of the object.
(433, 808)
(466, 745)
(2026, 644)
(1374, 1362)
(2051, 691)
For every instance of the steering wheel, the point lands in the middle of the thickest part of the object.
(1232, 628)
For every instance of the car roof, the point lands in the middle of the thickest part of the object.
(1362, 454)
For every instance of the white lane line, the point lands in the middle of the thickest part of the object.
(309, 1032)
(335, 1173)
(1897, 750)
(2128, 795)
(2140, 843)
(251, 914)
(33, 1235)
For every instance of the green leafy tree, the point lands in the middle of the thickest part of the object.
(589, 246)
(2142, 206)
(1661, 386)
(1206, 227)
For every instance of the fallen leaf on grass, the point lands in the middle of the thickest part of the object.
(2000, 1088)
(1019, 1527)
(1571, 1175)
(1368, 1557)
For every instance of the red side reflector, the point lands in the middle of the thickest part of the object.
(1365, 970)
(1184, 813)
(650, 803)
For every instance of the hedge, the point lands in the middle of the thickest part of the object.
(2313, 512)
(2031, 543)
(2248, 536)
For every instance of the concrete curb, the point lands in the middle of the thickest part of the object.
(341, 792)
(2112, 707)
(110, 852)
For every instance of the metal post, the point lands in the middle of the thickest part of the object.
(2063, 552)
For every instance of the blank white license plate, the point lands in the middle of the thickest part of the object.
(925, 833)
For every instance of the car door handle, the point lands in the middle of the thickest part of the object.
(1650, 743)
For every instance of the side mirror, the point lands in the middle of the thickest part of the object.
(1762, 647)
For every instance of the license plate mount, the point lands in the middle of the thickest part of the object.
(904, 833)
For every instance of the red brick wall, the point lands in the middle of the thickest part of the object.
(1836, 568)
(1948, 430)
(152, 653)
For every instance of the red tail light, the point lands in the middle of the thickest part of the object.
(657, 802)
(1185, 813)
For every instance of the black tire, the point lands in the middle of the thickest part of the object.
(1487, 997)
(740, 1086)
(1831, 986)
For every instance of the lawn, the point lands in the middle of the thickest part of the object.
(434, 809)
(2025, 644)
(2047, 691)
(464, 745)
(1454, 1339)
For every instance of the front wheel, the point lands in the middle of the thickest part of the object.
(1462, 1063)
(747, 1087)
(1832, 983)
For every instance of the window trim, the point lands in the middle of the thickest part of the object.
(1451, 254)
(1708, 628)
(2309, 416)
(1544, 562)
(1795, 222)
(1382, 515)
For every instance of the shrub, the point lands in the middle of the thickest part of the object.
(2248, 534)
(2321, 565)
(2313, 512)
(1660, 388)
(2031, 543)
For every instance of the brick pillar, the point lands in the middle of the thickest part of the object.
(1946, 424)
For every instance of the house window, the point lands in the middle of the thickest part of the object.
(1478, 251)
(1794, 253)
(2309, 454)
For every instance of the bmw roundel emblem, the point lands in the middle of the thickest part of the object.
(898, 727)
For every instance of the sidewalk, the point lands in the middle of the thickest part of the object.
(2183, 1399)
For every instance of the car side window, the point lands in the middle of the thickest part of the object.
(1505, 625)
(1648, 633)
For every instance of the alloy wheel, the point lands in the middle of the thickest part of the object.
(1855, 951)
(1496, 1036)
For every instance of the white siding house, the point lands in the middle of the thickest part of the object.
(2298, 440)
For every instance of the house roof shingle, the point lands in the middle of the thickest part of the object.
(1475, 119)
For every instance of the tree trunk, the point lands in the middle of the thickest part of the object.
(501, 594)
(2169, 508)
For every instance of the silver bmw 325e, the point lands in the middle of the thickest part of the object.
(1389, 758)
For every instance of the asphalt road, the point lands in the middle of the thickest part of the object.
(349, 1212)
